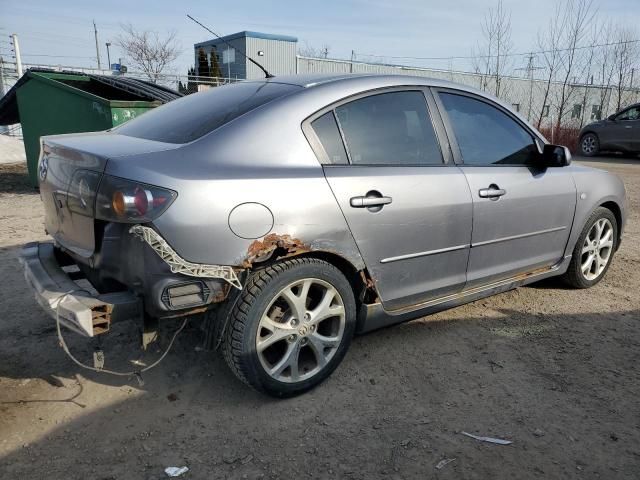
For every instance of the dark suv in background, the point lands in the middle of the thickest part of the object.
(618, 132)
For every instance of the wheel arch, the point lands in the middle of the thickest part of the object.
(617, 212)
(359, 278)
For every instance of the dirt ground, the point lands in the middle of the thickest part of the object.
(554, 370)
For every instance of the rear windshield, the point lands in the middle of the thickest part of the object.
(190, 117)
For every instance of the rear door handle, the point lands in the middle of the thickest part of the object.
(493, 192)
(366, 202)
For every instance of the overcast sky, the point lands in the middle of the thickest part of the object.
(61, 32)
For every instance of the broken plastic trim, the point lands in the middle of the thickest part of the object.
(177, 264)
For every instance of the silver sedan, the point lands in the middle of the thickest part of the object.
(294, 212)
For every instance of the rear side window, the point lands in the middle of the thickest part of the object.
(190, 117)
(486, 135)
(327, 131)
(389, 129)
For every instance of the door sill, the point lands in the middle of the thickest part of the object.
(374, 316)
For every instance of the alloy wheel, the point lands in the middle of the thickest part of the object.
(589, 144)
(596, 249)
(301, 330)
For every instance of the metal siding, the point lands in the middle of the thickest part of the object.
(279, 57)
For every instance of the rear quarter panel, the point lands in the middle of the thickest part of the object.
(262, 158)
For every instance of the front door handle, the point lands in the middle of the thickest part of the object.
(366, 202)
(493, 192)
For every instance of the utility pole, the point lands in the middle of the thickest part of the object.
(1, 77)
(16, 50)
(95, 33)
(108, 44)
(530, 69)
(353, 55)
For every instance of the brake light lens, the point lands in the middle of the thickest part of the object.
(122, 200)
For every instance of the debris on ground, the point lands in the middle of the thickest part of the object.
(176, 471)
(498, 441)
(444, 462)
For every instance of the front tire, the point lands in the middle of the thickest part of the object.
(594, 250)
(291, 326)
(590, 145)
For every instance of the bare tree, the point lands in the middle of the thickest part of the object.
(606, 69)
(147, 50)
(495, 48)
(549, 43)
(310, 51)
(579, 16)
(625, 53)
(589, 58)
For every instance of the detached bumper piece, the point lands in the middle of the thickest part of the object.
(177, 264)
(78, 309)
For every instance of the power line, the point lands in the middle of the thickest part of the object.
(55, 56)
(471, 57)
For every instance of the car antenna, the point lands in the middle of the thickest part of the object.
(266, 74)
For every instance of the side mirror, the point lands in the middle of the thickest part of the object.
(555, 156)
(612, 118)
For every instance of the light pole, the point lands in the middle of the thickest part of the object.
(108, 56)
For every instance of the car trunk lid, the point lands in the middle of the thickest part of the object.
(69, 172)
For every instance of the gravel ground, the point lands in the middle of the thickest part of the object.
(553, 370)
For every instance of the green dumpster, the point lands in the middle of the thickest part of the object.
(50, 103)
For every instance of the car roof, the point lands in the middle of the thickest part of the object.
(336, 85)
(313, 79)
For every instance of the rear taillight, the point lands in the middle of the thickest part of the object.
(121, 200)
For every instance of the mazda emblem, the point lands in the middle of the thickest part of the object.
(42, 170)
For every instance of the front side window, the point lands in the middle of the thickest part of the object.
(486, 135)
(389, 129)
(630, 114)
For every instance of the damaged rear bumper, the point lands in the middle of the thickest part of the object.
(61, 297)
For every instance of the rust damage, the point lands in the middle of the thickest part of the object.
(261, 250)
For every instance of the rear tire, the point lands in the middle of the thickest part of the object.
(594, 250)
(291, 326)
(590, 145)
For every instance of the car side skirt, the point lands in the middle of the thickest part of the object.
(374, 316)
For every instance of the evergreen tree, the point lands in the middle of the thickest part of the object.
(192, 85)
(203, 64)
(215, 69)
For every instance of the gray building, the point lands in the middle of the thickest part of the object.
(276, 52)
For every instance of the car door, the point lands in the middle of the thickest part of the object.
(628, 128)
(522, 214)
(408, 209)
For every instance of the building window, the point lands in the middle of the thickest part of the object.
(576, 112)
(545, 111)
(596, 112)
(516, 106)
